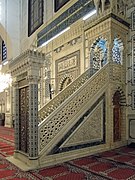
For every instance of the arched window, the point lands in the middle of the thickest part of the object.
(98, 55)
(117, 51)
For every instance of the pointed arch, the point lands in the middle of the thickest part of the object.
(66, 80)
(98, 53)
(118, 100)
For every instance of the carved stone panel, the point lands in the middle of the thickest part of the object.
(90, 130)
(67, 69)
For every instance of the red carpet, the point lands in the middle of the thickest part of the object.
(115, 164)
(124, 155)
(118, 164)
(6, 141)
(9, 171)
(106, 168)
(7, 134)
(6, 148)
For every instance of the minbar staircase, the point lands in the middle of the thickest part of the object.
(73, 123)
(46, 110)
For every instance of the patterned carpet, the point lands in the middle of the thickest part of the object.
(118, 164)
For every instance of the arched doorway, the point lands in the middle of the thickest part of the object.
(117, 116)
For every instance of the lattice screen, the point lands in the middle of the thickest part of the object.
(133, 59)
(133, 20)
(133, 99)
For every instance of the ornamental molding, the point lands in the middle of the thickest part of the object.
(98, 30)
(71, 37)
(25, 62)
(104, 19)
(96, 20)
(118, 25)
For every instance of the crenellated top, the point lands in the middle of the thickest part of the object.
(117, 6)
(23, 62)
(102, 5)
(26, 54)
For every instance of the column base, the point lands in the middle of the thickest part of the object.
(23, 161)
(8, 120)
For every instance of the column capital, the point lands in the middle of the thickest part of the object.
(15, 84)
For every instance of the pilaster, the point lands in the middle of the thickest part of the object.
(16, 115)
(33, 117)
